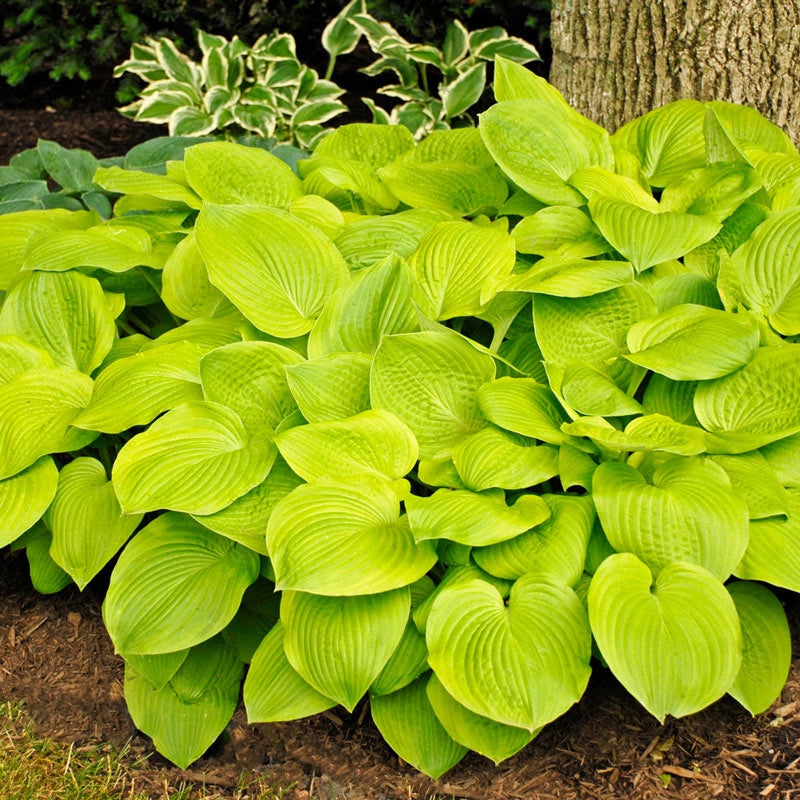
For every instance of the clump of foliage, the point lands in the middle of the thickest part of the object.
(265, 89)
(446, 424)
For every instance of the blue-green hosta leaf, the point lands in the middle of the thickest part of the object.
(250, 378)
(767, 654)
(481, 734)
(273, 690)
(275, 269)
(753, 479)
(648, 237)
(197, 458)
(521, 664)
(357, 636)
(783, 458)
(371, 442)
(691, 342)
(175, 585)
(773, 554)
(563, 276)
(134, 390)
(230, 173)
(766, 270)
(185, 717)
(674, 643)
(590, 390)
(331, 387)
(160, 669)
(496, 458)
(86, 520)
(377, 303)
(64, 313)
(344, 537)
(539, 150)
(36, 411)
(471, 518)
(24, 497)
(554, 550)
(430, 380)
(757, 404)
(459, 266)
(406, 663)
(689, 513)
(72, 169)
(136, 182)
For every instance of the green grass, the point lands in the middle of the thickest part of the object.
(40, 769)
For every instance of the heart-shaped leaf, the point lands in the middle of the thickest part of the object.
(24, 497)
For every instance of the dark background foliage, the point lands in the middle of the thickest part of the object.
(77, 43)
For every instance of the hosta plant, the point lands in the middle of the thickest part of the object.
(442, 425)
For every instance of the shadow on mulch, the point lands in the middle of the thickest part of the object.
(56, 657)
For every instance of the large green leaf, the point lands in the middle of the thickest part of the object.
(136, 389)
(159, 669)
(137, 182)
(46, 576)
(344, 537)
(375, 145)
(562, 230)
(357, 635)
(230, 173)
(18, 356)
(767, 654)
(472, 518)
(571, 277)
(374, 441)
(273, 690)
(175, 585)
(487, 737)
(24, 497)
(754, 480)
(409, 725)
(66, 314)
(185, 717)
(555, 550)
(430, 380)
(688, 513)
(277, 270)
(783, 457)
(407, 662)
(197, 458)
(86, 520)
(521, 664)
(590, 390)
(691, 343)
(675, 644)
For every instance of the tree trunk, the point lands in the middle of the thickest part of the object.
(617, 59)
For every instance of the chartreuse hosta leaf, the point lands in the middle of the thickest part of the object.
(64, 313)
(688, 513)
(674, 642)
(473, 518)
(412, 729)
(135, 390)
(539, 149)
(430, 380)
(277, 270)
(184, 717)
(750, 128)
(459, 266)
(555, 550)
(197, 458)
(371, 442)
(378, 302)
(481, 734)
(86, 520)
(175, 585)
(46, 576)
(229, 173)
(24, 497)
(159, 669)
(345, 537)
(331, 387)
(18, 356)
(250, 378)
(773, 553)
(595, 182)
(496, 458)
(136, 182)
(349, 184)
(562, 230)
(571, 277)
(783, 457)
(273, 690)
(357, 635)
(521, 664)
(590, 390)
(767, 654)
(406, 663)
(754, 480)
(755, 405)
(36, 410)
(691, 343)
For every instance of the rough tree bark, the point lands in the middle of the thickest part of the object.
(616, 59)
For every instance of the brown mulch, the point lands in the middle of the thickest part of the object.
(55, 656)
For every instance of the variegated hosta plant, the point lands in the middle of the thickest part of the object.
(442, 425)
